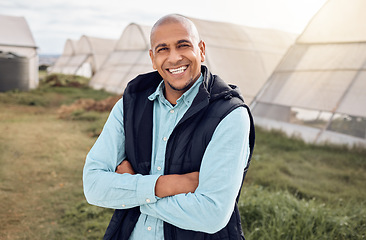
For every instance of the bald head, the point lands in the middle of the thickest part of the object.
(175, 18)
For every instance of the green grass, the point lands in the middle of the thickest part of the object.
(48, 95)
(280, 215)
(51, 97)
(293, 190)
(86, 221)
(308, 171)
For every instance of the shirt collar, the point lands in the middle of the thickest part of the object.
(187, 97)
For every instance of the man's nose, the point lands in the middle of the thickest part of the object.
(174, 56)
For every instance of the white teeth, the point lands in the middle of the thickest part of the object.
(178, 70)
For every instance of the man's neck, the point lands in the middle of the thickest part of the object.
(172, 97)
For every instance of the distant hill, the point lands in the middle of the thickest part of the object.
(47, 59)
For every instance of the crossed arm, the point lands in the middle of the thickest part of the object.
(105, 184)
(167, 185)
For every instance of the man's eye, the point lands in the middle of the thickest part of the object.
(162, 49)
(183, 45)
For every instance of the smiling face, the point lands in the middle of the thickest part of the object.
(176, 53)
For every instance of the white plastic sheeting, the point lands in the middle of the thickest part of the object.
(129, 58)
(242, 55)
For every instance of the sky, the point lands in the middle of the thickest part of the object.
(52, 22)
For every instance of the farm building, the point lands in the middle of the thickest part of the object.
(83, 57)
(241, 55)
(318, 91)
(18, 55)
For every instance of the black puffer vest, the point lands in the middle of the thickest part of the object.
(185, 147)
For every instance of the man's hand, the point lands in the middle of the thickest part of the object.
(169, 185)
(125, 167)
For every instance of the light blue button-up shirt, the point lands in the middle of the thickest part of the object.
(208, 209)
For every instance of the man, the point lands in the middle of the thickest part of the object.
(175, 149)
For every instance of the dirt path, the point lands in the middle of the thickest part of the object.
(41, 159)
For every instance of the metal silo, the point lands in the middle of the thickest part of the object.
(14, 72)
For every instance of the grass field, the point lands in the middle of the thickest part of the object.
(293, 190)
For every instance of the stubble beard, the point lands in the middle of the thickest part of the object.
(184, 88)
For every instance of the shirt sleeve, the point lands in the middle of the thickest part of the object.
(210, 207)
(102, 185)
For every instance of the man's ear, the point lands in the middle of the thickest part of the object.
(152, 59)
(202, 47)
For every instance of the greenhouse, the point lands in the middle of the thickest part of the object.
(129, 58)
(62, 61)
(318, 91)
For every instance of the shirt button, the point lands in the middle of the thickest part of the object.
(165, 138)
(172, 111)
(149, 228)
(159, 168)
(147, 200)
